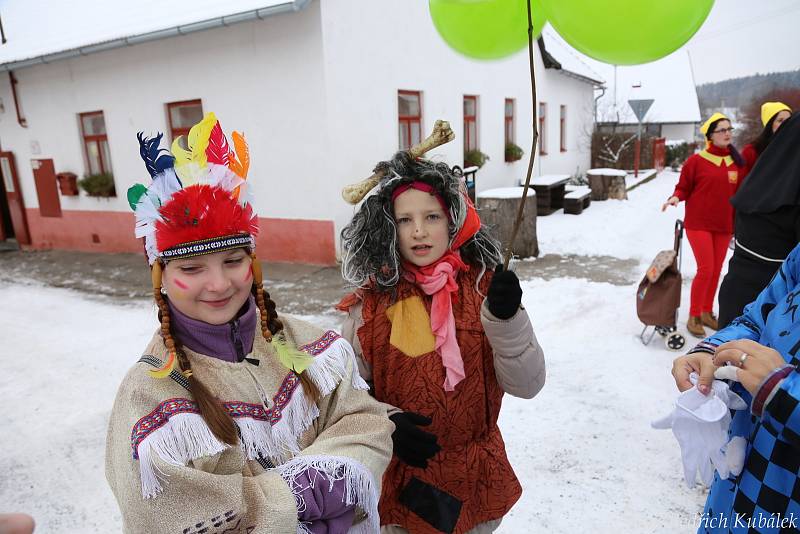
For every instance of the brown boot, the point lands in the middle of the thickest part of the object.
(708, 319)
(695, 326)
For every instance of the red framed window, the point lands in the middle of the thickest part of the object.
(509, 121)
(183, 115)
(95, 142)
(563, 128)
(409, 118)
(470, 123)
(542, 128)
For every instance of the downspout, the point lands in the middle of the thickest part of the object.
(598, 97)
(20, 119)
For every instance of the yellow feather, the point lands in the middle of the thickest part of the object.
(198, 138)
(182, 156)
(290, 357)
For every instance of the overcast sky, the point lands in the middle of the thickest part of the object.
(744, 37)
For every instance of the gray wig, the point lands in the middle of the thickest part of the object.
(369, 242)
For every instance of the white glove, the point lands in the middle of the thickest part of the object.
(700, 424)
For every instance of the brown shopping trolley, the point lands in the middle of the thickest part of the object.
(659, 295)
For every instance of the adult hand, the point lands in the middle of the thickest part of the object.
(699, 362)
(412, 444)
(754, 361)
(505, 294)
(671, 201)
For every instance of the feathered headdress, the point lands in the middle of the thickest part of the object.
(198, 202)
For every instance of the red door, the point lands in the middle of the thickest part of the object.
(44, 176)
(16, 205)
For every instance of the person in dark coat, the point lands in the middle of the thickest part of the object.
(767, 222)
(773, 115)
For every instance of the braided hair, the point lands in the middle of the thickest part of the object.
(213, 413)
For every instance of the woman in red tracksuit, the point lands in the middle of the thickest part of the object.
(708, 181)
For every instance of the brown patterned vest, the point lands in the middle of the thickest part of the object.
(472, 466)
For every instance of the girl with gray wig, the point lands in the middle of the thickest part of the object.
(440, 334)
(369, 243)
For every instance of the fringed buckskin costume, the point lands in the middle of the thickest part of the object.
(295, 458)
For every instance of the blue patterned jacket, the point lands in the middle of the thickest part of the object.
(765, 497)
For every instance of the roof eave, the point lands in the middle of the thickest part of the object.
(552, 63)
(217, 22)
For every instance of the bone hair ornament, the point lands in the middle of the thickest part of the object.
(442, 134)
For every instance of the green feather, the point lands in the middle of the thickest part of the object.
(290, 357)
(135, 193)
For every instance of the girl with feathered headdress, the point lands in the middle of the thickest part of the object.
(442, 336)
(217, 428)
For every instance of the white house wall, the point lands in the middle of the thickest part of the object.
(373, 49)
(263, 78)
(258, 77)
(315, 93)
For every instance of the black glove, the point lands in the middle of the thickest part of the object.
(411, 444)
(505, 294)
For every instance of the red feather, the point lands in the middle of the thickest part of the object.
(202, 212)
(217, 151)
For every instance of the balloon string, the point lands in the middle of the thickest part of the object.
(509, 252)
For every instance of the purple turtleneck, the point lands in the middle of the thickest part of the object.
(230, 342)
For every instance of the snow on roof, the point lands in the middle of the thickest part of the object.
(669, 81)
(35, 28)
(571, 61)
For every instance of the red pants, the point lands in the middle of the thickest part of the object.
(709, 251)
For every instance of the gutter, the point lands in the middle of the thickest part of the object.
(218, 22)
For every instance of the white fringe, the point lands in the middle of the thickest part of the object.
(183, 438)
(186, 437)
(278, 442)
(330, 367)
(360, 489)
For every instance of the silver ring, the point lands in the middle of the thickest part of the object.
(742, 359)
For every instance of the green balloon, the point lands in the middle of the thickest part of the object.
(626, 32)
(486, 29)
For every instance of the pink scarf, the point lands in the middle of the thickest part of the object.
(439, 280)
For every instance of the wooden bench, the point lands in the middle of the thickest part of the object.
(577, 200)
(549, 192)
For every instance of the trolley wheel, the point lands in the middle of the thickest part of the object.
(666, 330)
(675, 341)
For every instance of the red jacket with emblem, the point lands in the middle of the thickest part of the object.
(708, 180)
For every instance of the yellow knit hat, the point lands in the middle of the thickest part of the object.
(713, 118)
(770, 109)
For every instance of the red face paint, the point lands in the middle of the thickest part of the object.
(180, 284)
(248, 275)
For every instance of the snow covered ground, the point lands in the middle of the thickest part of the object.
(583, 448)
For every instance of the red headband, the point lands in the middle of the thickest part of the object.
(425, 188)
(472, 223)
